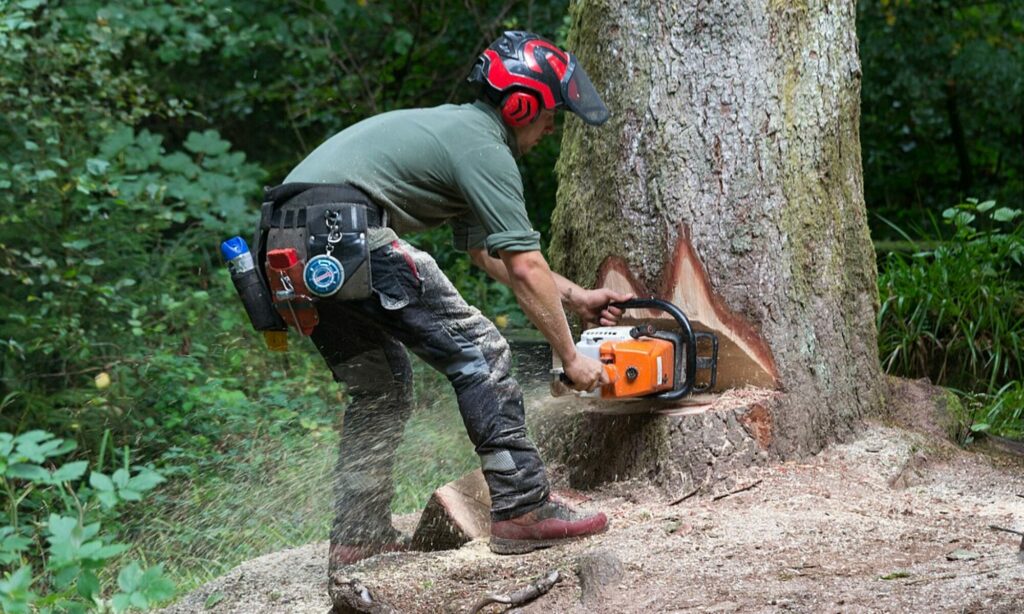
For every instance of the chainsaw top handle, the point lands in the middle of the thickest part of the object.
(682, 388)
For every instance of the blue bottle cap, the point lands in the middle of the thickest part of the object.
(233, 248)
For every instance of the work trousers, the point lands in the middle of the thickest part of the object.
(415, 306)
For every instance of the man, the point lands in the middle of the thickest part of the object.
(417, 169)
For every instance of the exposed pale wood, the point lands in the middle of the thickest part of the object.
(743, 356)
(457, 513)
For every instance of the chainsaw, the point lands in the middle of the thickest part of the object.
(643, 362)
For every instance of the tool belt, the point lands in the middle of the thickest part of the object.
(319, 219)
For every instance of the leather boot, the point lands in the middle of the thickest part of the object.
(551, 524)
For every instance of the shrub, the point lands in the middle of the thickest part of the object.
(955, 313)
(53, 535)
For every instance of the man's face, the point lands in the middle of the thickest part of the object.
(529, 135)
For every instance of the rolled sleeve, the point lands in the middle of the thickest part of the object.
(512, 241)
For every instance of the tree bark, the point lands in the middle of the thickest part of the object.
(729, 182)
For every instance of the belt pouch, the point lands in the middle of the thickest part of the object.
(344, 225)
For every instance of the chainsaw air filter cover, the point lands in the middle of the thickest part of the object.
(637, 366)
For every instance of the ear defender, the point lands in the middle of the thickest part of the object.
(519, 109)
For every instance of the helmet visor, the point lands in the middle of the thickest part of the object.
(580, 96)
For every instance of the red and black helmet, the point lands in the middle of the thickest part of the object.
(521, 73)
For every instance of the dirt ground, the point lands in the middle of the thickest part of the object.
(896, 520)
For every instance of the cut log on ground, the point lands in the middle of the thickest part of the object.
(457, 513)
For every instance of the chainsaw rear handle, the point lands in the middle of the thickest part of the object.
(685, 387)
(609, 370)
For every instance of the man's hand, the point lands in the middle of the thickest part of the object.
(593, 305)
(585, 373)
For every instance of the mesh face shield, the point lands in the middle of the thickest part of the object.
(580, 96)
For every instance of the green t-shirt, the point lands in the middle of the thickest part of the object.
(426, 167)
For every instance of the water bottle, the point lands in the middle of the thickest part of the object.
(249, 284)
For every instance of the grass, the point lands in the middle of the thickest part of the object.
(274, 493)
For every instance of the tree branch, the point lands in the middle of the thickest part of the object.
(535, 589)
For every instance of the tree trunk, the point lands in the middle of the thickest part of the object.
(729, 182)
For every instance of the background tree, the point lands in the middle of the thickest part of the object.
(942, 105)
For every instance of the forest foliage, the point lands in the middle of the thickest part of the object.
(136, 134)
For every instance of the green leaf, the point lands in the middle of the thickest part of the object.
(14, 543)
(70, 471)
(129, 495)
(139, 600)
(96, 166)
(63, 578)
(117, 141)
(15, 596)
(25, 471)
(100, 481)
(77, 245)
(61, 528)
(145, 480)
(155, 585)
(88, 585)
(985, 206)
(34, 436)
(6, 444)
(402, 41)
(108, 498)
(120, 602)
(207, 142)
(45, 175)
(121, 478)
(180, 163)
(128, 579)
(1005, 214)
(109, 551)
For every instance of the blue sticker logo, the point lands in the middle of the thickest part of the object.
(323, 275)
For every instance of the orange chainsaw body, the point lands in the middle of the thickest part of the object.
(637, 367)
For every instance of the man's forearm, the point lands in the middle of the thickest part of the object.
(568, 291)
(538, 294)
